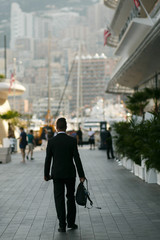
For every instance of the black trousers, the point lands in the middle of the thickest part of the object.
(80, 143)
(59, 196)
(110, 151)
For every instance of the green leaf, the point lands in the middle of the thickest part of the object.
(10, 115)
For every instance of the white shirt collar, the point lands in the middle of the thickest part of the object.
(61, 132)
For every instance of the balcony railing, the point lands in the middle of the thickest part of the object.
(111, 3)
(115, 88)
(133, 14)
(112, 41)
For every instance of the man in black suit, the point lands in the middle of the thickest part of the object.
(109, 144)
(63, 149)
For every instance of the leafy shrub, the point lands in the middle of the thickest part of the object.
(127, 139)
(2, 77)
(151, 148)
(139, 140)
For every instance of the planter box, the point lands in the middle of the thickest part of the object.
(129, 164)
(151, 175)
(143, 163)
(6, 142)
(158, 178)
(136, 169)
(141, 173)
(5, 155)
(124, 161)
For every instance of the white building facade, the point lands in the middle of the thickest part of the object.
(135, 34)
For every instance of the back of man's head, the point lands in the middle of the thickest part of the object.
(61, 124)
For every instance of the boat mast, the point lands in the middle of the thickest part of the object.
(49, 79)
(78, 83)
(5, 56)
(81, 95)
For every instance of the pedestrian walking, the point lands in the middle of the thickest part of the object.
(80, 137)
(74, 134)
(12, 144)
(91, 139)
(23, 143)
(63, 149)
(109, 147)
(31, 143)
(44, 137)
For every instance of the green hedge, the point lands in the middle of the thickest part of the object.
(139, 140)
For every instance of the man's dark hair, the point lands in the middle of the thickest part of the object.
(61, 124)
(21, 128)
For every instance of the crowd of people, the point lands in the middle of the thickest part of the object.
(29, 140)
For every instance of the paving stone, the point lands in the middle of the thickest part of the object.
(130, 208)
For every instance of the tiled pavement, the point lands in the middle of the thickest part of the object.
(130, 207)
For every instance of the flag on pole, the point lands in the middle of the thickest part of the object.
(106, 35)
(137, 3)
(12, 80)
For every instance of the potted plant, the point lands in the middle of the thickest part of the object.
(12, 117)
(2, 77)
(137, 103)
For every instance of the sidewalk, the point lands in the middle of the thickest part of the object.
(130, 207)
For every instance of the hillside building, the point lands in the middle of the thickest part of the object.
(95, 71)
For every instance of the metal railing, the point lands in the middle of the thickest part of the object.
(113, 41)
(111, 3)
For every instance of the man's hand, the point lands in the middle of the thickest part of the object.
(47, 178)
(82, 179)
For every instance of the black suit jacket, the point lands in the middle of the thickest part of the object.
(63, 149)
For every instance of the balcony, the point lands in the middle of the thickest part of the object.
(133, 14)
(126, 11)
(142, 62)
(136, 31)
(113, 41)
(111, 3)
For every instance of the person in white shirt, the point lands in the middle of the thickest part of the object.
(91, 139)
(12, 144)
